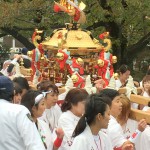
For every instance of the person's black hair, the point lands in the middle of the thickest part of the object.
(136, 83)
(22, 82)
(45, 85)
(111, 93)
(28, 99)
(17, 89)
(26, 63)
(10, 68)
(123, 68)
(95, 104)
(73, 97)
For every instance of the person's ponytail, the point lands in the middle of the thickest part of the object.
(80, 126)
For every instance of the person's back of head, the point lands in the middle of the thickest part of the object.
(17, 89)
(26, 63)
(22, 82)
(28, 99)
(111, 93)
(45, 85)
(73, 97)
(6, 88)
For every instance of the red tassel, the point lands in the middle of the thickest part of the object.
(56, 8)
(77, 15)
(101, 36)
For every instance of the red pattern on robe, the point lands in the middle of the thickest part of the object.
(78, 66)
(80, 83)
(101, 71)
(62, 63)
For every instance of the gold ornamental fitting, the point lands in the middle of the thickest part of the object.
(29, 53)
(114, 59)
(116, 76)
(100, 62)
(60, 56)
(80, 61)
(74, 78)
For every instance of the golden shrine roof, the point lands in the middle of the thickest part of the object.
(73, 39)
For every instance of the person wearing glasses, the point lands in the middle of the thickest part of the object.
(52, 111)
(35, 102)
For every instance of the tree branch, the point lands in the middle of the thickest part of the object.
(136, 48)
(96, 25)
(124, 3)
(104, 5)
(19, 37)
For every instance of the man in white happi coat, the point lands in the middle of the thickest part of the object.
(17, 130)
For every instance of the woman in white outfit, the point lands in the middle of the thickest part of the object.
(52, 111)
(35, 102)
(114, 129)
(128, 125)
(88, 134)
(146, 88)
(73, 108)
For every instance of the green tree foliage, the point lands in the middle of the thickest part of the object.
(128, 22)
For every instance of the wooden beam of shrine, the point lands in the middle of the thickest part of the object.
(139, 114)
(123, 90)
(140, 100)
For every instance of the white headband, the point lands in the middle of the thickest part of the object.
(41, 96)
(38, 98)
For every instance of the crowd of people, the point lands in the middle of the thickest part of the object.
(31, 119)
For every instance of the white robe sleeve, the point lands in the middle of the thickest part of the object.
(80, 143)
(28, 131)
(67, 125)
(115, 133)
(145, 139)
